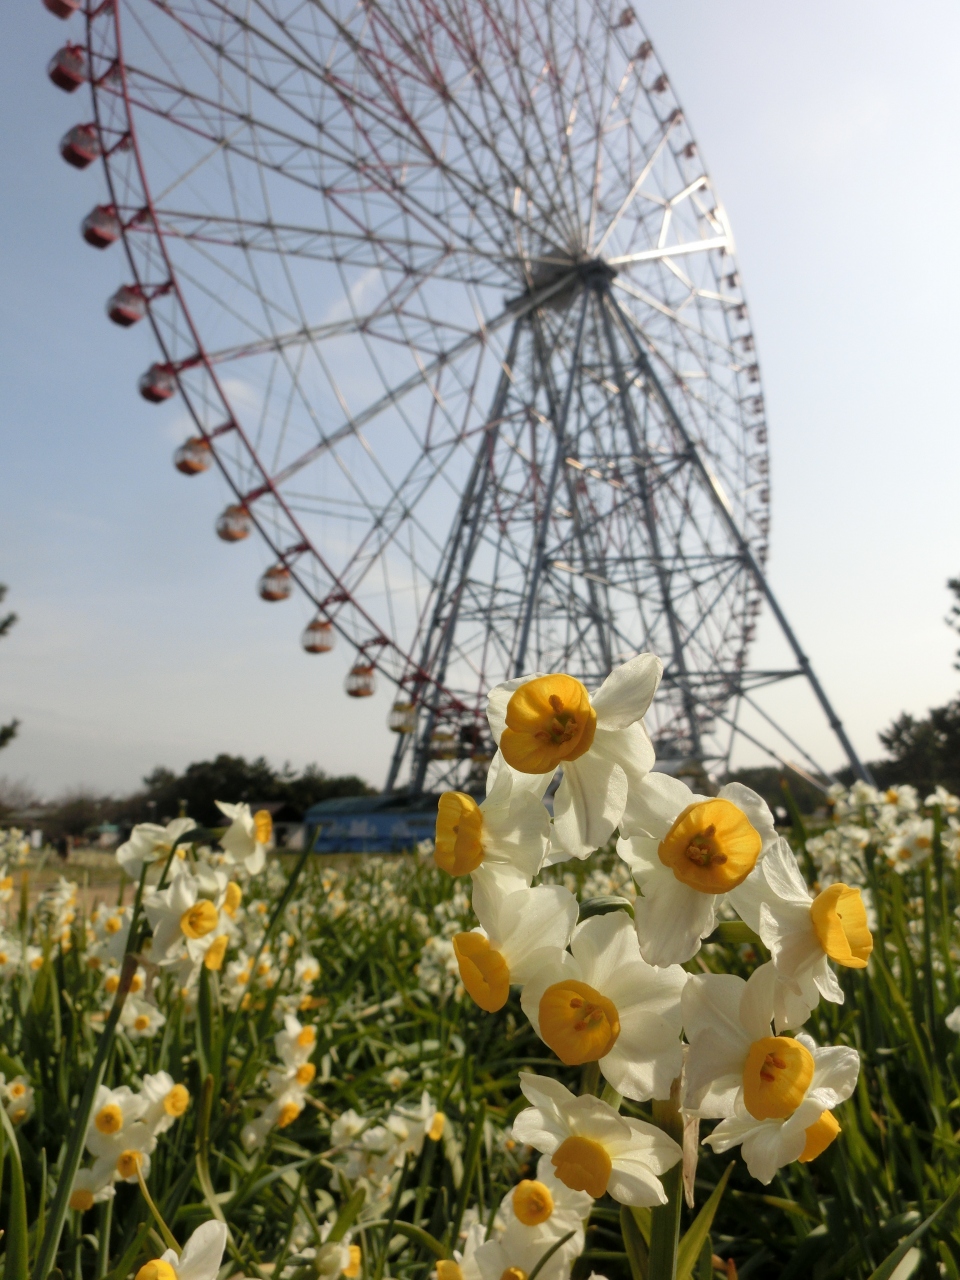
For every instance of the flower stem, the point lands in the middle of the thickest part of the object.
(168, 1237)
(665, 1218)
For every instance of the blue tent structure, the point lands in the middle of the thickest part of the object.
(370, 824)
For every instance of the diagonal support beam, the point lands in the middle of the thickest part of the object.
(629, 328)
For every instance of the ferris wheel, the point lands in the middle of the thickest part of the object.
(449, 295)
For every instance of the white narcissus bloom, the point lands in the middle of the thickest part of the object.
(296, 1042)
(248, 836)
(952, 1020)
(545, 722)
(803, 933)
(181, 920)
(592, 1147)
(686, 850)
(604, 1004)
(504, 839)
(165, 1101)
(518, 1251)
(807, 1131)
(735, 1069)
(947, 801)
(910, 844)
(19, 1098)
(149, 843)
(545, 1206)
(141, 1019)
(11, 956)
(90, 1188)
(200, 1259)
(518, 933)
(115, 1112)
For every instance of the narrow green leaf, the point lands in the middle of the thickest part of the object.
(688, 1251)
(414, 1233)
(557, 1244)
(638, 1255)
(16, 1258)
(603, 904)
(891, 1262)
(347, 1216)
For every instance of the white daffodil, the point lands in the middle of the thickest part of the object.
(952, 1020)
(545, 722)
(200, 1259)
(19, 1099)
(182, 921)
(545, 1206)
(910, 844)
(517, 935)
(115, 1112)
(279, 1113)
(410, 1126)
(248, 837)
(604, 1004)
(768, 1144)
(519, 1250)
(90, 1188)
(151, 843)
(141, 1019)
(734, 1066)
(947, 801)
(165, 1101)
(505, 838)
(295, 1043)
(128, 1157)
(11, 956)
(803, 933)
(592, 1147)
(685, 851)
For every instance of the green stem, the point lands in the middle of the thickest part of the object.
(168, 1236)
(665, 1218)
(103, 1244)
(47, 1252)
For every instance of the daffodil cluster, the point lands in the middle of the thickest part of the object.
(600, 987)
(372, 1153)
(122, 1134)
(287, 1082)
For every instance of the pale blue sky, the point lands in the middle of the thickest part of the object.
(831, 133)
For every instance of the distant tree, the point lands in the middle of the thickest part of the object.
(232, 778)
(924, 752)
(76, 813)
(8, 731)
(314, 785)
(953, 617)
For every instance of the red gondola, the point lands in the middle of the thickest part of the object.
(68, 67)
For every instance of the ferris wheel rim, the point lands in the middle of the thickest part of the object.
(287, 555)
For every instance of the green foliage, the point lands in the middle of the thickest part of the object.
(196, 790)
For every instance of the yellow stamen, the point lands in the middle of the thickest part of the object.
(158, 1270)
(577, 1022)
(582, 1165)
(128, 1162)
(112, 924)
(136, 983)
(176, 1101)
(200, 919)
(712, 846)
(549, 720)
(839, 920)
(213, 960)
(109, 1119)
(353, 1266)
(262, 826)
(447, 1269)
(459, 843)
(111, 982)
(483, 971)
(305, 1074)
(437, 1126)
(81, 1200)
(232, 898)
(141, 1022)
(819, 1136)
(776, 1075)
(514, 1273)
(288, 1113)
(532, 1202)
(307, 1037)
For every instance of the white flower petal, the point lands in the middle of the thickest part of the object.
(627, 692)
